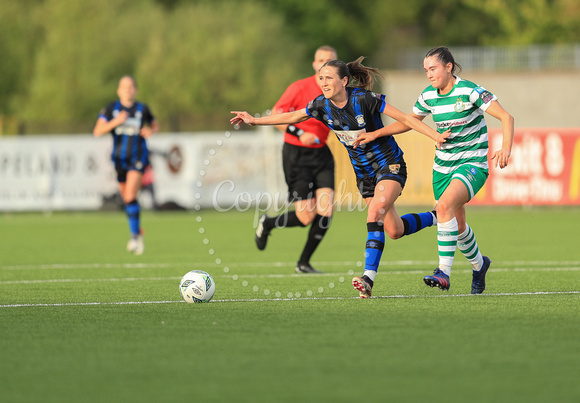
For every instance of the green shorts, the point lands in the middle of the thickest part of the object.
(472, 177)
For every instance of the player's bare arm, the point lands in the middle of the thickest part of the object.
(277, 119)
(103, 126)
(501, 157)
(390, 130)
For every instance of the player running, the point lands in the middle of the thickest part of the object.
(460, 168)
(379, 166)
(130, 122)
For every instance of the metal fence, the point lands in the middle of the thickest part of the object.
(535, 57)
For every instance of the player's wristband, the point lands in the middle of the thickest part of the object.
(293, 130)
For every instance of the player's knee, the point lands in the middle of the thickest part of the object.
(394, 233)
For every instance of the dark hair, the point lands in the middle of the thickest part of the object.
(444, 56)
(359, 76)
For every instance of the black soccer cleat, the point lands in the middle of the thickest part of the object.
(305, 268)
(262, 233)
(478, 280)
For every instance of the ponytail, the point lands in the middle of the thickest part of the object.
(359, 76)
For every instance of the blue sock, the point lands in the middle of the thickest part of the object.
(133, 211)
(374, 247)
(416, 222)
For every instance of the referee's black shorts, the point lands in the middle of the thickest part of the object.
(306, 170)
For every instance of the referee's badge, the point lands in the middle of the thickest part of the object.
(360, 120)
(459, 105)
(395, 168)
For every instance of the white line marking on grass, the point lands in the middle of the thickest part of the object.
(501, 294)
(82, 280)
(285, 275)
(385, 265)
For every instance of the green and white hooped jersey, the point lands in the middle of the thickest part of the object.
(461, 110)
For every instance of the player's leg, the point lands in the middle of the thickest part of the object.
(398, 226)
(319, 164)
(474, 179)
(287, 219)
(133, 209)
(385, 194)
(452, 199)
(301, 191)
(321, 219)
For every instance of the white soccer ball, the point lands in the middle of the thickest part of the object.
(197, 286)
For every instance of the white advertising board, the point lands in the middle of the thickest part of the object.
(190, 170)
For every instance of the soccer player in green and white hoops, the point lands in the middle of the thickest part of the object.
(460, 168)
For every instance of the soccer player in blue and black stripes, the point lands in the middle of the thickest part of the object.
(130, 122)
(349, 108)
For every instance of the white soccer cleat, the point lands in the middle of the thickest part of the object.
(136, 245)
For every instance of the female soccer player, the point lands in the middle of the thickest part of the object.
(130, 122)
(460, 168)
(379, 166)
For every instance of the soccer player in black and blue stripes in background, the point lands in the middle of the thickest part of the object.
(131, 123)
(349, 108)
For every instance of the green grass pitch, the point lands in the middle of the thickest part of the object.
(81, 320)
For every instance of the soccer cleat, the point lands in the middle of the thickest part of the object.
(438, 279)
(132, 244)
(136, 245)
(364, 288)
(262, 233)
(305, 268)
(478, 281)
(434, 212)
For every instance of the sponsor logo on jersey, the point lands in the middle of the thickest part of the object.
(394, 168)
(360, 120)
(445, 125)
(459, 106)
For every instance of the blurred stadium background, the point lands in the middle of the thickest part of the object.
(197, 60)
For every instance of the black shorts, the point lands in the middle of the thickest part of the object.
(306, 170)
(394, 172)
(122, 171)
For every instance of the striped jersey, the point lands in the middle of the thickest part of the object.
(362, 113)
(129, 148)
(461, 110)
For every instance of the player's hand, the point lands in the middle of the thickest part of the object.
(121, 118)
(442, 138)
(309, 139)
(501, 157)
(364, 138)
(242, 117)
(146, 132)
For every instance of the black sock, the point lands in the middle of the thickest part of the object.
(284, 220)
(317, 230)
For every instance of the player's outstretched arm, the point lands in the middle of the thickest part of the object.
(390, 130)
(288, 118)
(416, 124)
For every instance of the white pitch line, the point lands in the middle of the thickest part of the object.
(503, 294)
(385, 265)
(282, 275)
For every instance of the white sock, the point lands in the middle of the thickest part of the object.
(370, 274)
(468, 246)
(446, 244)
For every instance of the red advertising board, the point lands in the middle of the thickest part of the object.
(544, 169)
